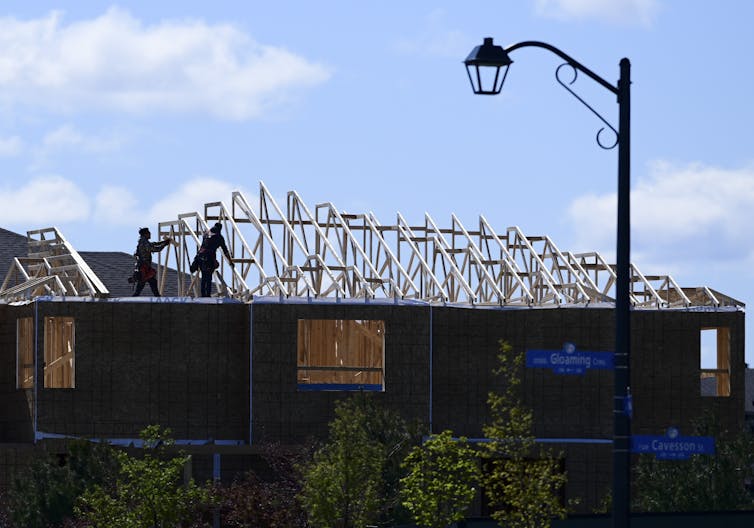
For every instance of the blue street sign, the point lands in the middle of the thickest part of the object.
(628, 404)
(672, 446)
(569, 360)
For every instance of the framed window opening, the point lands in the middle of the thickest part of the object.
(59, 353)
(25, 353)
(714, 361)
(341, 355)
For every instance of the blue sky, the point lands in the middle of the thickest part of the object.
(114, 116)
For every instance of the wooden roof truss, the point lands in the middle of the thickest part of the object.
(329, 253)
(52, 267)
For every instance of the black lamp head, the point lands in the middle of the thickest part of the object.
(484, 65)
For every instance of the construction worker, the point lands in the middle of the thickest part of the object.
(144, 250)
(206, 258)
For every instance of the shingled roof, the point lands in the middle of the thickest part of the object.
(112, 267)
(11, 245)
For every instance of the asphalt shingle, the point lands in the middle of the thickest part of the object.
(11, 245)
(112, 267)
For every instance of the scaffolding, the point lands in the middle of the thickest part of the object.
(323, 252)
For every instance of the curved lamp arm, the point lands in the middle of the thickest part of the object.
(570, 60)
(487, 66)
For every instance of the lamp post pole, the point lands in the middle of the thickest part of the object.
(622, 377)
(489, 63)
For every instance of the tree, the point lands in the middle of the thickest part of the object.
(524, 480)
(341, 486)
(4, 515)
(722, 481)
(441, 480)
(45, 494)
(397, 438)
(148, 491)
(268, 496)
(353, 478)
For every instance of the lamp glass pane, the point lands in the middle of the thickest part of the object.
(486, 79)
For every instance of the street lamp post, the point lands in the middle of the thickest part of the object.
(487, 66)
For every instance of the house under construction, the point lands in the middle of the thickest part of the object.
(321, 303)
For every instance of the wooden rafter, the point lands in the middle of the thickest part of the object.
(329, 253)
(51, 267)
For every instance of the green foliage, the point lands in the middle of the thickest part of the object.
(353, 479)
(4, 514)
(440, 485)
(703, 482)
(523, 481)
(606, 503)
(396, 437)
(45, 494)
(148, 491)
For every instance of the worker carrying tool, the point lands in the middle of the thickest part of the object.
(143, 271)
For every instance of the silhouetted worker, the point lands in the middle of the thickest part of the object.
(144, 250)
(206, 258)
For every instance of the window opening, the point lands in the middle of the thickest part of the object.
(59, 351)
(24, 353)
(341, 354)
(714, 361)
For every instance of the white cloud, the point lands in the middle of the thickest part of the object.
(679, 213)
(436, 39)
(10, 146)
(117, 205)
(54, 200)
(43, 201)
(623, 12)
(68, 137)
(191, 197)
(114, 61)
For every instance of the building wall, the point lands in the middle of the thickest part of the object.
(665, 351)
(665, 371)
(465, 343)
(576, 409)
(282, 413)
(15, 405)
(14, 459)
(183, 366)
(466, 350)
(186, 366)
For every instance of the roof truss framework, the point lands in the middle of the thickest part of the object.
(325, 252)
(51, 267)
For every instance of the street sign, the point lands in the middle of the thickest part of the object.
(628, 404)
(569, 360)
(672, 446)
